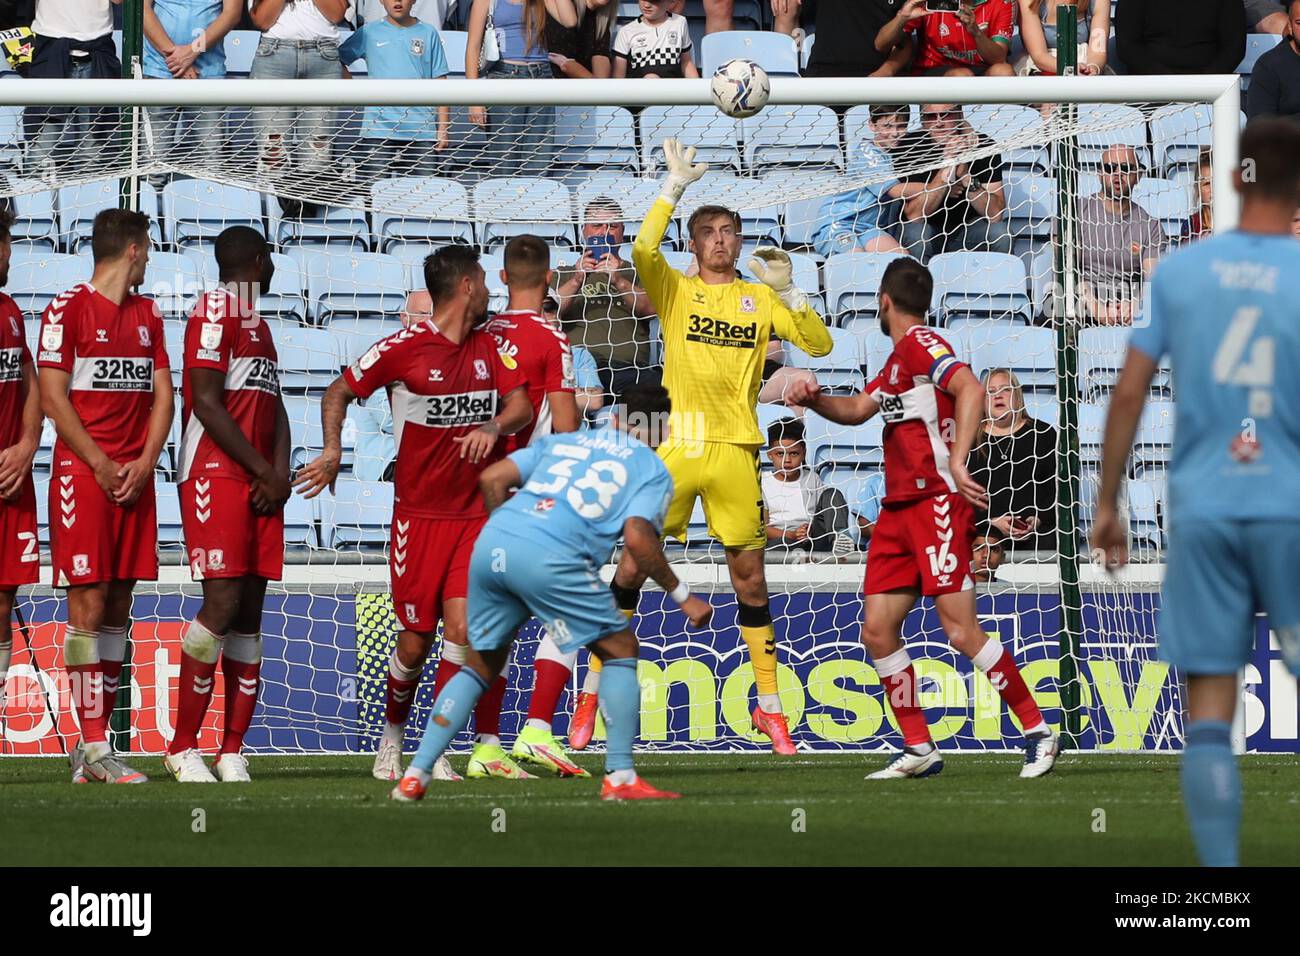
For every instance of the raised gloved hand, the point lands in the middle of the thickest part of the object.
(772, 267)
(682, 169)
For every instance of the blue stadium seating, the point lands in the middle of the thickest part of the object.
(829, 442)
(301, 523)
(173, 279)
(196, 211)
(1023, 124)
(850, 480)
(980, 285)
(420, 209)
(285, 300)
(334, 225)
(841, 370)
(634, 195)
(853, 281)
(1101, 356)
(1178, 132)
(774, 52)
(804, 137)
(1257, 44)
(35, 222)
(348, 282)
(1029, 352)
(357, 515)
(1169, 202)
(307, 359)
(760, 218)
(523, 205)
(714, 135)
(78, 206)
(11, 135)
(1043, 407)
(306, 439)
(168, 504)
(1147, 510)
(596, 138)
(37, 275)
(1031, 209)
(1107, 125)
(353, 335)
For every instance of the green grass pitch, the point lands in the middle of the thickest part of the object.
(738, 809)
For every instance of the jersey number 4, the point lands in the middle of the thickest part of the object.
(602, 481)
(1232, 366)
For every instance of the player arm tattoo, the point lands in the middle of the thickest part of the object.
(333, 409)
(642, 542)
(208, 388)
(1126, 403)
(496, 481)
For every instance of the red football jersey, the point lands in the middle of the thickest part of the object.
(112, 353)
(918, 414)
(13, 356)
(941, 40)
(228, 336)
(541, 352)
(439, 391)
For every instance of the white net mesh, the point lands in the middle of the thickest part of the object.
(352, 217)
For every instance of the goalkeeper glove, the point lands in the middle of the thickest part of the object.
(772, 267)
(682, 169)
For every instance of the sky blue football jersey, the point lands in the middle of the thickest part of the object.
(1226, 310)
(579, 489)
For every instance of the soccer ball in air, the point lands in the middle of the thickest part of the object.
(741, 88)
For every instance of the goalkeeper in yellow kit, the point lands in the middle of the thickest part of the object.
(715, 329)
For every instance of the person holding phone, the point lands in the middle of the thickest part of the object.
(953, 37)
(1015, 459)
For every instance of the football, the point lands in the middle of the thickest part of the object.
(741, 88)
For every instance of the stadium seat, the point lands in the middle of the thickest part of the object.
(356, 516)
(714, 135)
(168, 504)
(306, 439)
(1031, 209)
(844, 444)
(853, 281)
(353, 335)
(493, 263)
(850, 480)
(1092, 426)
(285, 300)
(774, 52)
(412, 255)
(1018, 131)
(454, 43)
(1043, 407)
(1029, 352)
(1111, 124)
(11, 135)
(78, 206)
(174, 340)
(351, 283)
(804, 137)
(770, 413)
(173, 279)
(241, 51)
(1147, 509)
(1042, 277)
(307, 359)
(1101, 356)
(1169, 202)
(634, 196)
(197, 210)
(1257, 44)
(523, 205)
(760, 218)
(333, 225)
(1178, 132)
(420, 209)
(1155, 437)
(980, 285)
(35, 222)
(595, 138)
(301, 523)
(841, 370)
(37, 275)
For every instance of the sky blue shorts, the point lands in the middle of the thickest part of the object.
(511, 580)
(1219, 574)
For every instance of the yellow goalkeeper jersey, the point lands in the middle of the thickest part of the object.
(715, 340)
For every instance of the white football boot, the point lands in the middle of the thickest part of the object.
(388, 760)
(188, 767)
(442, 771)
(232, 768)
(1040, 754)
(907, 764)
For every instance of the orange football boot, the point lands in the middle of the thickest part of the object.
(583, 724)
(775, 728)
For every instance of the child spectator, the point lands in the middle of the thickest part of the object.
(656, 45)
(400, 140)
(987, 553)
(803, 514)
(851, 221)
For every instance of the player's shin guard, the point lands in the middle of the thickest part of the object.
(449, 716)
(759, 636)
(400, 695)
(1212, 792)
(241, 666)
(899, 677)
(81, 660)
(551, 670)
(200, 649)
(451, 660)
(620, 704)
(996, 662)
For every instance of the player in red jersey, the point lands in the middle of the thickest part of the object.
(541, 349)
(452, 399)
(932, 404)
(234, 481)
(106, 386)
(20, 434)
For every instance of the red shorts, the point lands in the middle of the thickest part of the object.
(20, 552)
(923, 544)
(429, 564)
(94, 540)
(224, 536)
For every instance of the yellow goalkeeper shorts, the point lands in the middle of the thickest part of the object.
(726, 477)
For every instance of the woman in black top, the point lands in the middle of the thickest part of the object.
(582, 52)
(1015, 459)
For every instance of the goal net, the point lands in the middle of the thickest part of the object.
(1039, 217)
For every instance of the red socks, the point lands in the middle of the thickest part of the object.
(899, 677)
(402, 682)
(996, 662)
(549, 680)
(487, 712)
(241, 666)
